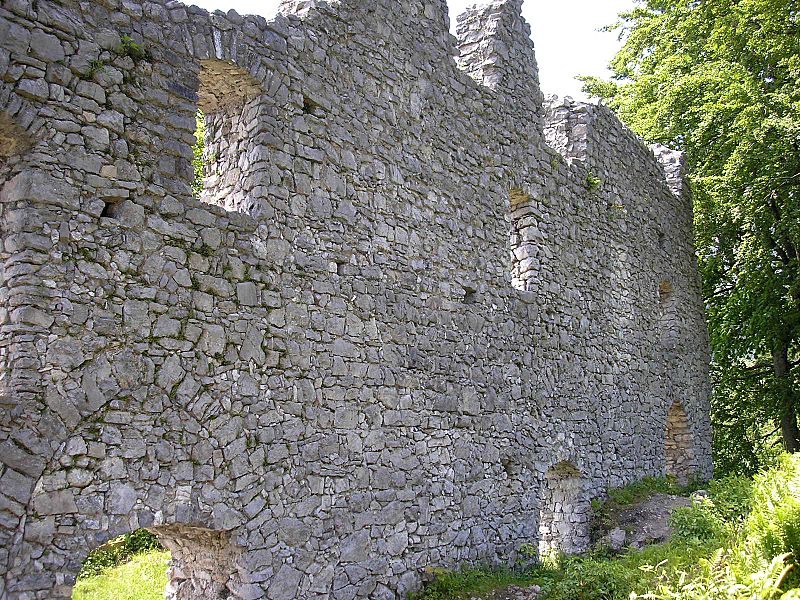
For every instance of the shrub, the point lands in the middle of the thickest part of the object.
(117, 551)
(757, 525)
(592, 578)
(773, 526)
(732, 497)
(698, 522)
(737, 543)
(130, 48)
(593, 182)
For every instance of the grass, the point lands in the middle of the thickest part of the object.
(595, 576)
(117, 551)
(143, 577)
(641, 490)
(472, 581)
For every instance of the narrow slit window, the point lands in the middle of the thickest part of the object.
(524, 246)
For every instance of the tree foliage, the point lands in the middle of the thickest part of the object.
(719, 80)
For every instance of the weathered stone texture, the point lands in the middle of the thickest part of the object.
(411, 289)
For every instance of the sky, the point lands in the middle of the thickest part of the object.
(564, 32)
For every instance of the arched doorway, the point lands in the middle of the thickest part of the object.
(564, 512)
(678, 445)
(200, 564)
(91, 494)
(130, 566)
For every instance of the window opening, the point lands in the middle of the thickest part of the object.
(226, 121)
(664, 291)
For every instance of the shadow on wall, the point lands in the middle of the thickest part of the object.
(679, 445)
(564, 512)
(13, 139)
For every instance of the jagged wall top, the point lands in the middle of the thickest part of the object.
(495, 49)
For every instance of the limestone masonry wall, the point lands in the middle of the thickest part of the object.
(416, 313)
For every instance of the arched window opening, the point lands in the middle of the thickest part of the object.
(563, 512)
(525, 239)
(665, 291)
(679, 446)
(226, 129)
(175, 562)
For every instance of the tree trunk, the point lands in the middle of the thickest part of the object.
(786, 395)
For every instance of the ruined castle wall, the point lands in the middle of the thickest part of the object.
(349, 377)
(648, 267)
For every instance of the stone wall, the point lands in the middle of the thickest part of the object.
(347, 376)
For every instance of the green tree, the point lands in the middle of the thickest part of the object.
(719, 80)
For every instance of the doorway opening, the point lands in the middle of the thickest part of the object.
(174, 562)
(679, 446)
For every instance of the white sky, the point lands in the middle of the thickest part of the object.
(564, 31)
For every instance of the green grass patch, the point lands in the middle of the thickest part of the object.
(468, 582)
(143, 577)
(642, 490)
(595, 576)
(606, 511)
